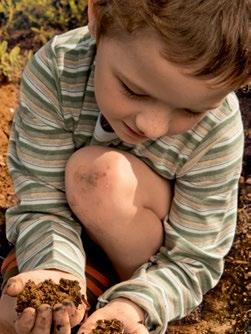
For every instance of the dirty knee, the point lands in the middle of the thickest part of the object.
(100, 185)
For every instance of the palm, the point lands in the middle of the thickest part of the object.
(30, 322)
(127, 315)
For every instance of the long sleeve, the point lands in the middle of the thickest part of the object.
(41, 224)
(199, 229)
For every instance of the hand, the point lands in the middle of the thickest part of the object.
(64, 316)
(131, 315)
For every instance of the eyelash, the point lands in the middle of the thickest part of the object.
(129, 93)
(190, 113)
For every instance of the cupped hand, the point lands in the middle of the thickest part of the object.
(131, 315)
(64, 316)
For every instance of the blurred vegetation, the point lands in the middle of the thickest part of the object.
(25, 25)
(12, 62)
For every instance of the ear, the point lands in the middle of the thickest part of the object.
(92, 20)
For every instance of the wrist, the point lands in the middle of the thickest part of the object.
(127, 306)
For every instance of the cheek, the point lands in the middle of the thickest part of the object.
(182, 124)
(103, 85)
(104, 96)
(111, 102)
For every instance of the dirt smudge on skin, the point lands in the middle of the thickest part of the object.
(88, 180)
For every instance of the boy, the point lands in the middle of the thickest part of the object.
(154, 176)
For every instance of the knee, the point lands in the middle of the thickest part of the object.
(97, 181)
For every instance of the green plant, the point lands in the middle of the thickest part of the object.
(72, 12)
(11, 62)
(62, 14)
(28, 24)
(42, 35)
(8, 9)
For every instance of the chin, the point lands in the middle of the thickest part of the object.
(135, 142)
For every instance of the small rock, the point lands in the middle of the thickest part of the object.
(248, 181)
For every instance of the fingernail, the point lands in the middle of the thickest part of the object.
(44, 308)
(12, 285)
(58, 307)
(68, 303)
(58, 327)
(8, 286)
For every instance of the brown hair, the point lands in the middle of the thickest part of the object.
(212, 36)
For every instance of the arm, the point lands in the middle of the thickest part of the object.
(41, 226)
(42, 139)
(199, 232)
(53, 94)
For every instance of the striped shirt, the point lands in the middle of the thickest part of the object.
(57, 115)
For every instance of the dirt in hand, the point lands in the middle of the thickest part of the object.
(48, 292)
(112, 326)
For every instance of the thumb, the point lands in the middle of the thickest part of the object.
(88, 325)
(140, 329)
(86, 328)
(76, 314)
(14, 286)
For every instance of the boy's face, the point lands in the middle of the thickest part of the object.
(143, 96)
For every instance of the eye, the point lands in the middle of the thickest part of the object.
(129, 93)
(191, 113)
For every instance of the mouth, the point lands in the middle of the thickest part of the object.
(134, 133)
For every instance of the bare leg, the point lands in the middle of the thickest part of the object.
(121, 203)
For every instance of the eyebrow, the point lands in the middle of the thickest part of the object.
(133, 86)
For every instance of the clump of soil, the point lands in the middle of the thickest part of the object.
(112, 326)
(48, 292)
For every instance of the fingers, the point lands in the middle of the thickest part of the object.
(25, 321)
(34, 322)
(14, 286)
(64, 317)
(43, 320)
(61, 320)
(76, 314)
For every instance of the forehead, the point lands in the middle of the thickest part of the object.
(140, 60)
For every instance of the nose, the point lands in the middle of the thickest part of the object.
(152, 124)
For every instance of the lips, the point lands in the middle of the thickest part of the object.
(132, 131)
